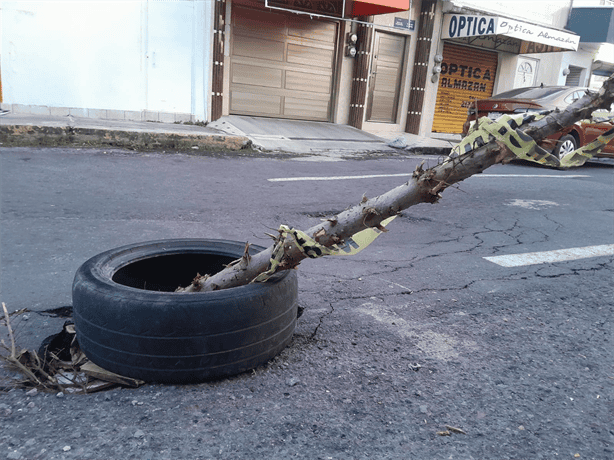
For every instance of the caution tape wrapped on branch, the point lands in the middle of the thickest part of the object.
(506, 130)
(579, 156)
(314, 250)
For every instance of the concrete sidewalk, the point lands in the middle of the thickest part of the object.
(230, 133)
(20, 130)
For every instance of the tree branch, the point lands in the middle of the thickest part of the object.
(425, 186)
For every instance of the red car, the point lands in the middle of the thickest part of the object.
(538, 98)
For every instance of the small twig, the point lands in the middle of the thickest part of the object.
(246, 255)
(10, 329)
(17, 313)
(477, 118)
(455, 430)
(27, 372)
(245, 258)
(40, 367)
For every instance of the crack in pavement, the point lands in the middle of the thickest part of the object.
(321, 319)
(574, 271)
(332, 309)
(418, 291)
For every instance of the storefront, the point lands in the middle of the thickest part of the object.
(337, 61)
(474, 49)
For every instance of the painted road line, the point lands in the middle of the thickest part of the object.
(368, 176)
(372, 176)
(559, 255)
(548, 176)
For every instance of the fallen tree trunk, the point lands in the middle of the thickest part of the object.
(425, 186)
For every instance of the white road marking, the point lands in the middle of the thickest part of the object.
(433, 344)
(368, 176)
(553, 176)
(559, 255)
(372, 176)
(532, 204)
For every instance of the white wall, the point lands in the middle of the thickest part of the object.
(115, 55)
(583, 57)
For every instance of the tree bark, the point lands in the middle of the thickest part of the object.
(425, 186)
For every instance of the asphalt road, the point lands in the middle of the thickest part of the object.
(417, 332)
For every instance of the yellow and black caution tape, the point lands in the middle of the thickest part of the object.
(505, 130)
(579, 156)
(313, 249)
(361, 240)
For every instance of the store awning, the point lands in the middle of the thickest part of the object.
(603, 62)
(374, 7)
(503, 34)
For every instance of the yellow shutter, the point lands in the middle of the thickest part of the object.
(466, 74)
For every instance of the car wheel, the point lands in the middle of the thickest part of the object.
(565, 145)
(130, 321)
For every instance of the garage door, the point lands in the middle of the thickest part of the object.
(386, 72)
(467, 74)
(281, 65)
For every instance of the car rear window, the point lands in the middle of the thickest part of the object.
(529, 93)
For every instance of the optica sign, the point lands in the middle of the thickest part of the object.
(461, 26)
(470, 26)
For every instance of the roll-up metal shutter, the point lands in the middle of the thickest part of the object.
(573, 78)
(281, 65)
(467, 74)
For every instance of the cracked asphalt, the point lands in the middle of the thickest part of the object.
(416, 348)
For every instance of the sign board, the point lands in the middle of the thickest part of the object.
(402, 23)
(331, 8)
(529, 38)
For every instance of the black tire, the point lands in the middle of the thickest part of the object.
(162, 336)
(564, 145)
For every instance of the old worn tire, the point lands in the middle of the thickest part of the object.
(129, 320)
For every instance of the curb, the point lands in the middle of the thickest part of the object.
(441, 151)
(47, 136)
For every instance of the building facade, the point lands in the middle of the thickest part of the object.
(594, 22)
(384, 66)
(490, 47)
(138, 60)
